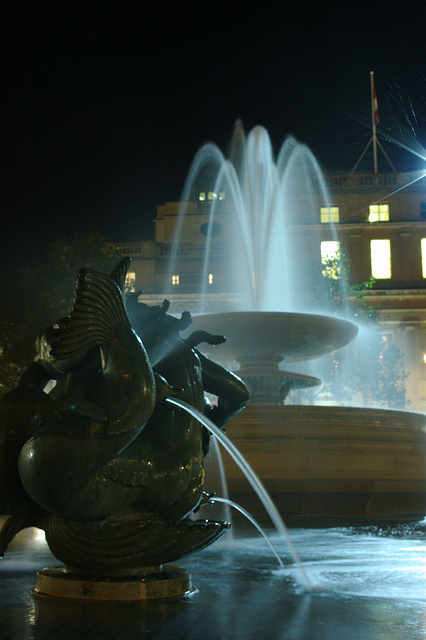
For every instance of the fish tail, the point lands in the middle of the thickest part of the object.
(98, 306)
(118, 274)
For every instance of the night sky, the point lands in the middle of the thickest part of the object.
(106, 103)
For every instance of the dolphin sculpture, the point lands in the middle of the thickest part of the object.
(102, 463)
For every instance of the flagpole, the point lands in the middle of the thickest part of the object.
(374, 118)
(374, 123)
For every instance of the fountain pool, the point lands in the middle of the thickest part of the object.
(370, 585)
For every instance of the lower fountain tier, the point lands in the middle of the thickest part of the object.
(331, 462)
(273, 387)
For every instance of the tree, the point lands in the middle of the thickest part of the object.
(370, 370)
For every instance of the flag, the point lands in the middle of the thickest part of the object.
(374, 105)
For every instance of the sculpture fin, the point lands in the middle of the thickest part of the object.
(98, 307)
(203, 336)
(29, 517)
(118, 274)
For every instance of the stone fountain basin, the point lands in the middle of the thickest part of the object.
(332, 462)
(277, 335)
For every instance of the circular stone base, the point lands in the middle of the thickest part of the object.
(169, 582)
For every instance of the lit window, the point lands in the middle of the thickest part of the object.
(130, 281)
(222, 195)
(423, 250)
(202, 196)
(330, 251)
(329, 214)
(378, 213)
(212, 196)
(210, 278)
(381, 259)
(175, 280)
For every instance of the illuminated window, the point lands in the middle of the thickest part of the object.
(378, 213)
(222, 195)
(210, 278)
(330, 250)
(130, 281)
(175, 280)
(202, 196)
(329, 214)
(211, 196)
(380, 259)
(423, 250)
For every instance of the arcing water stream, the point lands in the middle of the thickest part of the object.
(254, 522)
(251, 477)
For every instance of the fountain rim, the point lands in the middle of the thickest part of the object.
(248, 321)
(289, 314)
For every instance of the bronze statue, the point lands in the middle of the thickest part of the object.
(102, 463)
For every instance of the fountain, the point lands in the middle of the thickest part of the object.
(315, 461)
(81, 471)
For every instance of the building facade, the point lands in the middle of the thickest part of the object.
(380, 220)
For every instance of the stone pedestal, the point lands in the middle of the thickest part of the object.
(167, 581)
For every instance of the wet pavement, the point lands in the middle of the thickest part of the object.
(365, 584)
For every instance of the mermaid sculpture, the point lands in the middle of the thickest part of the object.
(102, 462)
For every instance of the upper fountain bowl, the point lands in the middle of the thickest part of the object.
(279, 336)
